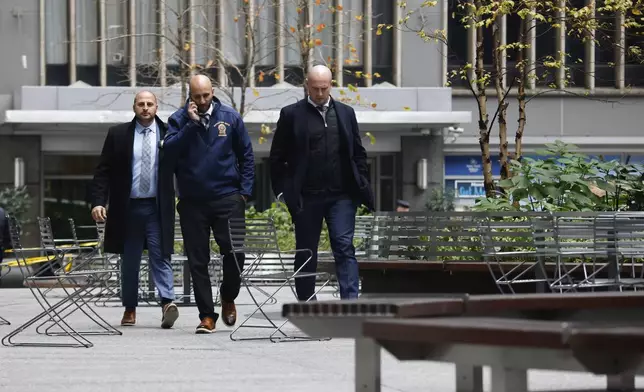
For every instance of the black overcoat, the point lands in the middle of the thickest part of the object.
(290, 149)
(112, 184)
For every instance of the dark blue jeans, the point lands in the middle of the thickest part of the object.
(340, 217)
(144, 225)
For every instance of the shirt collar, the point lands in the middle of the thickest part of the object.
(139, 128)
(315, 105)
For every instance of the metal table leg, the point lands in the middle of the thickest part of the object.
(509, 380)
(469, 378)
(367, 363)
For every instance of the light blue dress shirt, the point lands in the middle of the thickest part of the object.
(137, 152)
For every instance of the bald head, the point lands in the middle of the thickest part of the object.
(320, 72)
(145, 94)
(145, 107)
(201, 92)
(318, 84)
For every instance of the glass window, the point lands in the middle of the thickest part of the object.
(387, 165)
(70, 165)
(65, 199)
(386, 194)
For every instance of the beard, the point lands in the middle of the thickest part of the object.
(204, 108)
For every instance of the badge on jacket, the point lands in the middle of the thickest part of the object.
(222, 127)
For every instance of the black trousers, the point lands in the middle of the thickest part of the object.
(197, 219)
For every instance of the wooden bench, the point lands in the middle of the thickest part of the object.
(512, 346)
(344, 319)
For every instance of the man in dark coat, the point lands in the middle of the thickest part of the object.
(319, 165)
(133, 190)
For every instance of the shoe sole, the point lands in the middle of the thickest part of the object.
(203, 331)
(171, 315)
(127, 324)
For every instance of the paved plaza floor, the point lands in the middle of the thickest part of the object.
(147, 358)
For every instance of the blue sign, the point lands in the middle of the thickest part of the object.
(472, 165)
(469, 189)
(636, 159)
(463, 165)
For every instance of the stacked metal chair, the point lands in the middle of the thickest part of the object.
(75, 284)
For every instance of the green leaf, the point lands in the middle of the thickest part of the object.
(554, 192)
(570, 178)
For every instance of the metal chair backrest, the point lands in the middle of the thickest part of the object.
(257, 235)
(46, 233)
(14, 233)
(258, 239)
(100, 231)
(72, 227)
(362, 231)
(628, 234)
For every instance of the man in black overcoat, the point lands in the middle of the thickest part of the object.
(319, 165)
(133, 192)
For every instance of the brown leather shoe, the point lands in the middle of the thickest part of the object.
(228, 313)
(170, 315)
(129, 318)
(207, 325)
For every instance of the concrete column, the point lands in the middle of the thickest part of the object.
(27, 147)
(429, 147)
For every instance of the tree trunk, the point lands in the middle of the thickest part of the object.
(250, 59)
(481, 99)
(518, 139)
(497, 55)
(183, 77)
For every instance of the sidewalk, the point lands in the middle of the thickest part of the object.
(147, 358)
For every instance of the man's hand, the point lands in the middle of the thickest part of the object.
(99, 214)
(192, 111)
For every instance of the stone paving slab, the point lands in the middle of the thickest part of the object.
(147, 358)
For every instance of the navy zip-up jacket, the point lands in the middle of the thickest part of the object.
(207, 171)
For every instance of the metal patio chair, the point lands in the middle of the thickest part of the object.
(266, 263)
(500, 236)
(82, 282)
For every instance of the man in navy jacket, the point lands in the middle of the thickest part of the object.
(215, 171)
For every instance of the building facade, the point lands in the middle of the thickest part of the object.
(70, 69)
